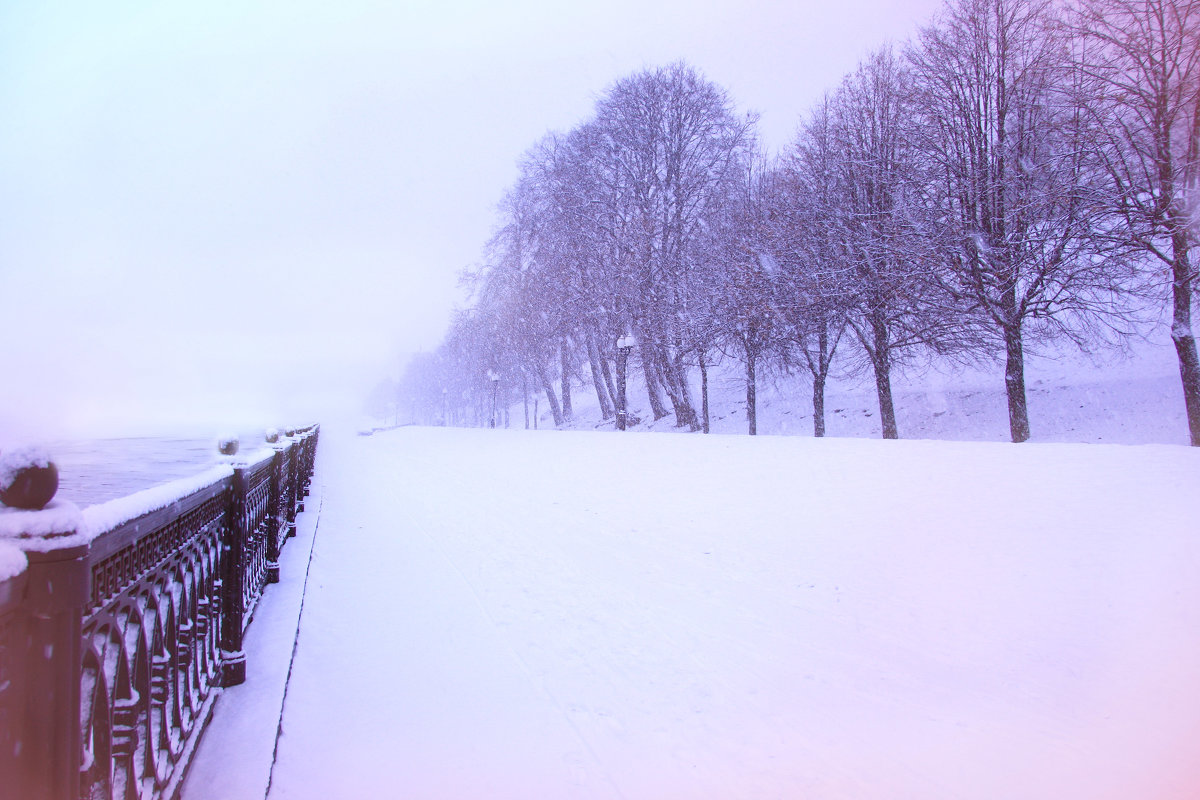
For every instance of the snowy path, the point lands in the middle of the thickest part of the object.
(510, 615)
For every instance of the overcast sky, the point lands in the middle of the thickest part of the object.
(238, 213)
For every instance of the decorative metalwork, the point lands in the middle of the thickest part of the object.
(285, 516)
(152, 653)
(117, 650)
(113, 573)
(256, 522)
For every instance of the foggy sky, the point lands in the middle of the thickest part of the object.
(242, 214)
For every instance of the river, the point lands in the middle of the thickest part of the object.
(98, 470)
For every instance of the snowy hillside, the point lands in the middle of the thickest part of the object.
(1114, 398)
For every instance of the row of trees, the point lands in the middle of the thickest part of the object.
(1024, 171)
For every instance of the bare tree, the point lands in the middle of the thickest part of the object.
(891, 301)
(671, 145)
(1013, 181)
(1145, 56)
(517, 295)
(576, 237)
(806, 225)
(743, 306)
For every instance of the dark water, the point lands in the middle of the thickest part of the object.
(99, 470)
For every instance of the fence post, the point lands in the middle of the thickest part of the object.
(273, 509)
(311, 462)
(233, 577)
(12, 692)
(293, 483)
(301, 460)
(57, 589)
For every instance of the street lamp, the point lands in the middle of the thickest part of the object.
(624, 345)
(495, 379)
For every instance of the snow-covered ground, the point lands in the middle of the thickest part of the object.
(1112, 397)
(567, 614)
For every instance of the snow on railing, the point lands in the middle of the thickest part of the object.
(119, 625)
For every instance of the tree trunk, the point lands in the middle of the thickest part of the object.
(602, 395)
(608, 376)
(818, 404)
(820, 371)
(685, 412)
(652, 390)
(881, 361)
(751, 393)
(525, 397)
(1181, 333)
(675, 382)
(704, 392)
(551, 398)
(1014, 384)
(565, 361)
(664, 378)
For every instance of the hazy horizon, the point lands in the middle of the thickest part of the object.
(222, 214)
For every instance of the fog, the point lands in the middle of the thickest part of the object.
(233, 214)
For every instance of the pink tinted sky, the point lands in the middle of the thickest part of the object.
(226, 213)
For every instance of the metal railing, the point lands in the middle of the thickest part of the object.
(115, 644)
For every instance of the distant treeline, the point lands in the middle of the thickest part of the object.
(1021, 172)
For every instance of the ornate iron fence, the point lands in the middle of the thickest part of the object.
(115, 644)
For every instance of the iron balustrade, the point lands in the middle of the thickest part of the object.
(115, 646)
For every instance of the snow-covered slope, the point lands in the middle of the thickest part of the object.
(1122, 399)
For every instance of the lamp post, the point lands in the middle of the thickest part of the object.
(495, 379)
(624, 345)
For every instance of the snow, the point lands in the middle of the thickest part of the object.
(573, 614)
(234, 757)
(12, 561)
(250, 460)
(60, 522)
(14, 460)
(64, 517)
(1113, 397)
(104, 517)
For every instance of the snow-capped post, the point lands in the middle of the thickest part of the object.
(233, 595)
(57, 590)
(624, 347)
(308, 467)
(306, 441)
(300, 456)
(495, 379)
(293, 481)
(41, 642)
